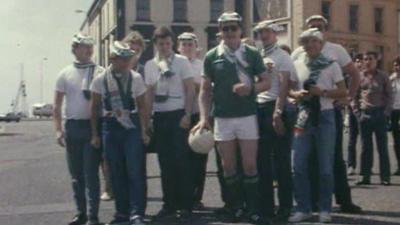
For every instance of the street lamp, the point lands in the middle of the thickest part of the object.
(41, 77)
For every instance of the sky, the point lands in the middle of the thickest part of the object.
(33, 30)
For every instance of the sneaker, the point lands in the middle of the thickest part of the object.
(300, 217)
(385, 183)
(136, 220)
(325, 217)
(106, 196)
(165, 214)
(78, 220)
(119, 221)
(350, 208)
(351, 171)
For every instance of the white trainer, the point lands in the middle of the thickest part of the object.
(300, 217)
(325, 217)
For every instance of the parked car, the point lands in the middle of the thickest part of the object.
(42, 110)
(10, 117)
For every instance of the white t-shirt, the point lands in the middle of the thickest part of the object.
(138, 85)
(69, 82)
(282, 63)
(197, 67)
(327, 80)
(176, 94)
(330, 50)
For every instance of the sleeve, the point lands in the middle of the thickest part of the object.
(388, 94)
(60, 84)
(139, 87)
(186, 70)
(149, 76)
(337, 73)
(97, 85)
(207, 68)
(294, 74)
(343, 57)
(259, 66)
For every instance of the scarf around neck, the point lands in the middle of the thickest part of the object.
(269, 49)
(90, 68)
(238, 57)
(117, 85)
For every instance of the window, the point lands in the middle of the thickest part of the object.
(143, 10)
(326, 9)
(216, 9)
(180, 10)
(378, 14)
(353, 18)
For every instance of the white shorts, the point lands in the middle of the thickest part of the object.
(242, 128)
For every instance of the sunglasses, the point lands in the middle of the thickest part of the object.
(232, 28)
(368, 59)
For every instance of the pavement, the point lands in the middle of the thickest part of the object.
(35, 185)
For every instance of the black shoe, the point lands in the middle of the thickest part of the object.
(385, 183)
(364, 181)
(119, 221)
(198, 206)
(165, 214)
(184, 215)
(255, 218)
(397, 173)
(93, 221)
(222, 211)
(350, 208)
(79, 220)
(236, 215)
(282, 216)
(136, 220)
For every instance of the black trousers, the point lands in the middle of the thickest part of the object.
(373, 122)
(395, 119)
(342, 189)
(352, 145)
(274, 154)
(174, 158)
(199, 169)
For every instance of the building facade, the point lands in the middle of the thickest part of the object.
(109, 20)
(359, 25)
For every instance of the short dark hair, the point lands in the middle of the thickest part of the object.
(163, 32)
(371, 53)
(397, 60)
(358, 56)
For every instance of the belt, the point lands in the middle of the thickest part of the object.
(267, 104)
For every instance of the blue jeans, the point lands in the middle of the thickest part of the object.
(324, 137)
(83, 163)
(125, 155)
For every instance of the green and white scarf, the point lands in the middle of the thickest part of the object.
(117, 106)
